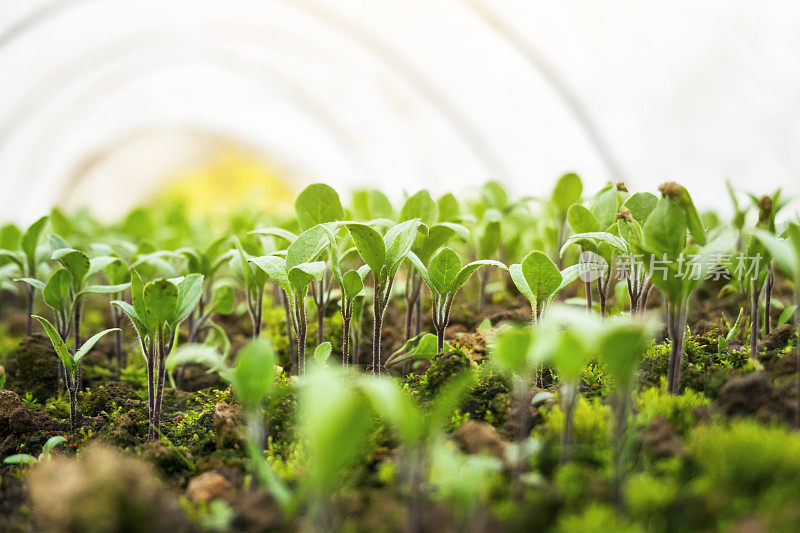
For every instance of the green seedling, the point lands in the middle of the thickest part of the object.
(445, 276)
(724, 341)
(351, 284)
(30, 460)
(463, 480)
(215, 298)
(786, 315)
(28, 260)
(568, 191)
(253, 381)
(769, 206)
(335, 429)
(600, 217)
(417, 427)
(488, 246)
(319, 204)
(785, 251)
(750, 280)
(618, 240)
(293, 274)
(440, 231)
(677, 265)
(67, 286)
(157, 311)
(371, 204)
(621, 347)
(539, 280)
(568, 339)
(253, 280)
(423, 346)
(118, 274)
(383, 256)
(71, 363)
(513, 354)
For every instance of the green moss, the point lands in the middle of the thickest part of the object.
(444, 366)
(280, 413)
(490, 399)
(590, 423)
(194, 427)
(596, 518)
(650, 498)
(752, 466)
(678, 410)
(579, 483)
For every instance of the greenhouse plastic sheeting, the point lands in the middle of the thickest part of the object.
(100, 100)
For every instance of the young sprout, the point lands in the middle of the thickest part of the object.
(216, 298)
(488, 245)
(676, 265)
(10, 237)
(252, 379)
(118, 274)
(351, 284)
(27, 459)
(157, 311)
(71, 362)
(66, 288)
(335, 429)
(512, 353)
(423, 346)
(761, 269)
(785, 252)
(383, 256)
(418, 428)
(293, 274)
(82, 269)
(440, 231)
(462, 480)
(723, 341)
(568, 339)
(371, 204)
(28, 261)
(778, 202)
(253, 279)
(618, 240)
(319, 204)
(539, 280)
(621, 347)
(356, 327)
(568, 191)
(445, 276)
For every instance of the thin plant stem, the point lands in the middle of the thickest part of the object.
(768, 288)
(754, 317)
(29, 323)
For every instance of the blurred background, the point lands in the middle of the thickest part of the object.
(106, 103)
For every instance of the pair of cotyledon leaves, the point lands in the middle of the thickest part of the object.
(67, 284)
(161, 305)
(569, 338)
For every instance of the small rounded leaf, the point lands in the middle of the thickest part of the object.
(317, 204)
(541, 275)
(567, 191)
(254, 373)
(160, 299)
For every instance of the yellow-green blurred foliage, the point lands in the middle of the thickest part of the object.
(231, 180)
